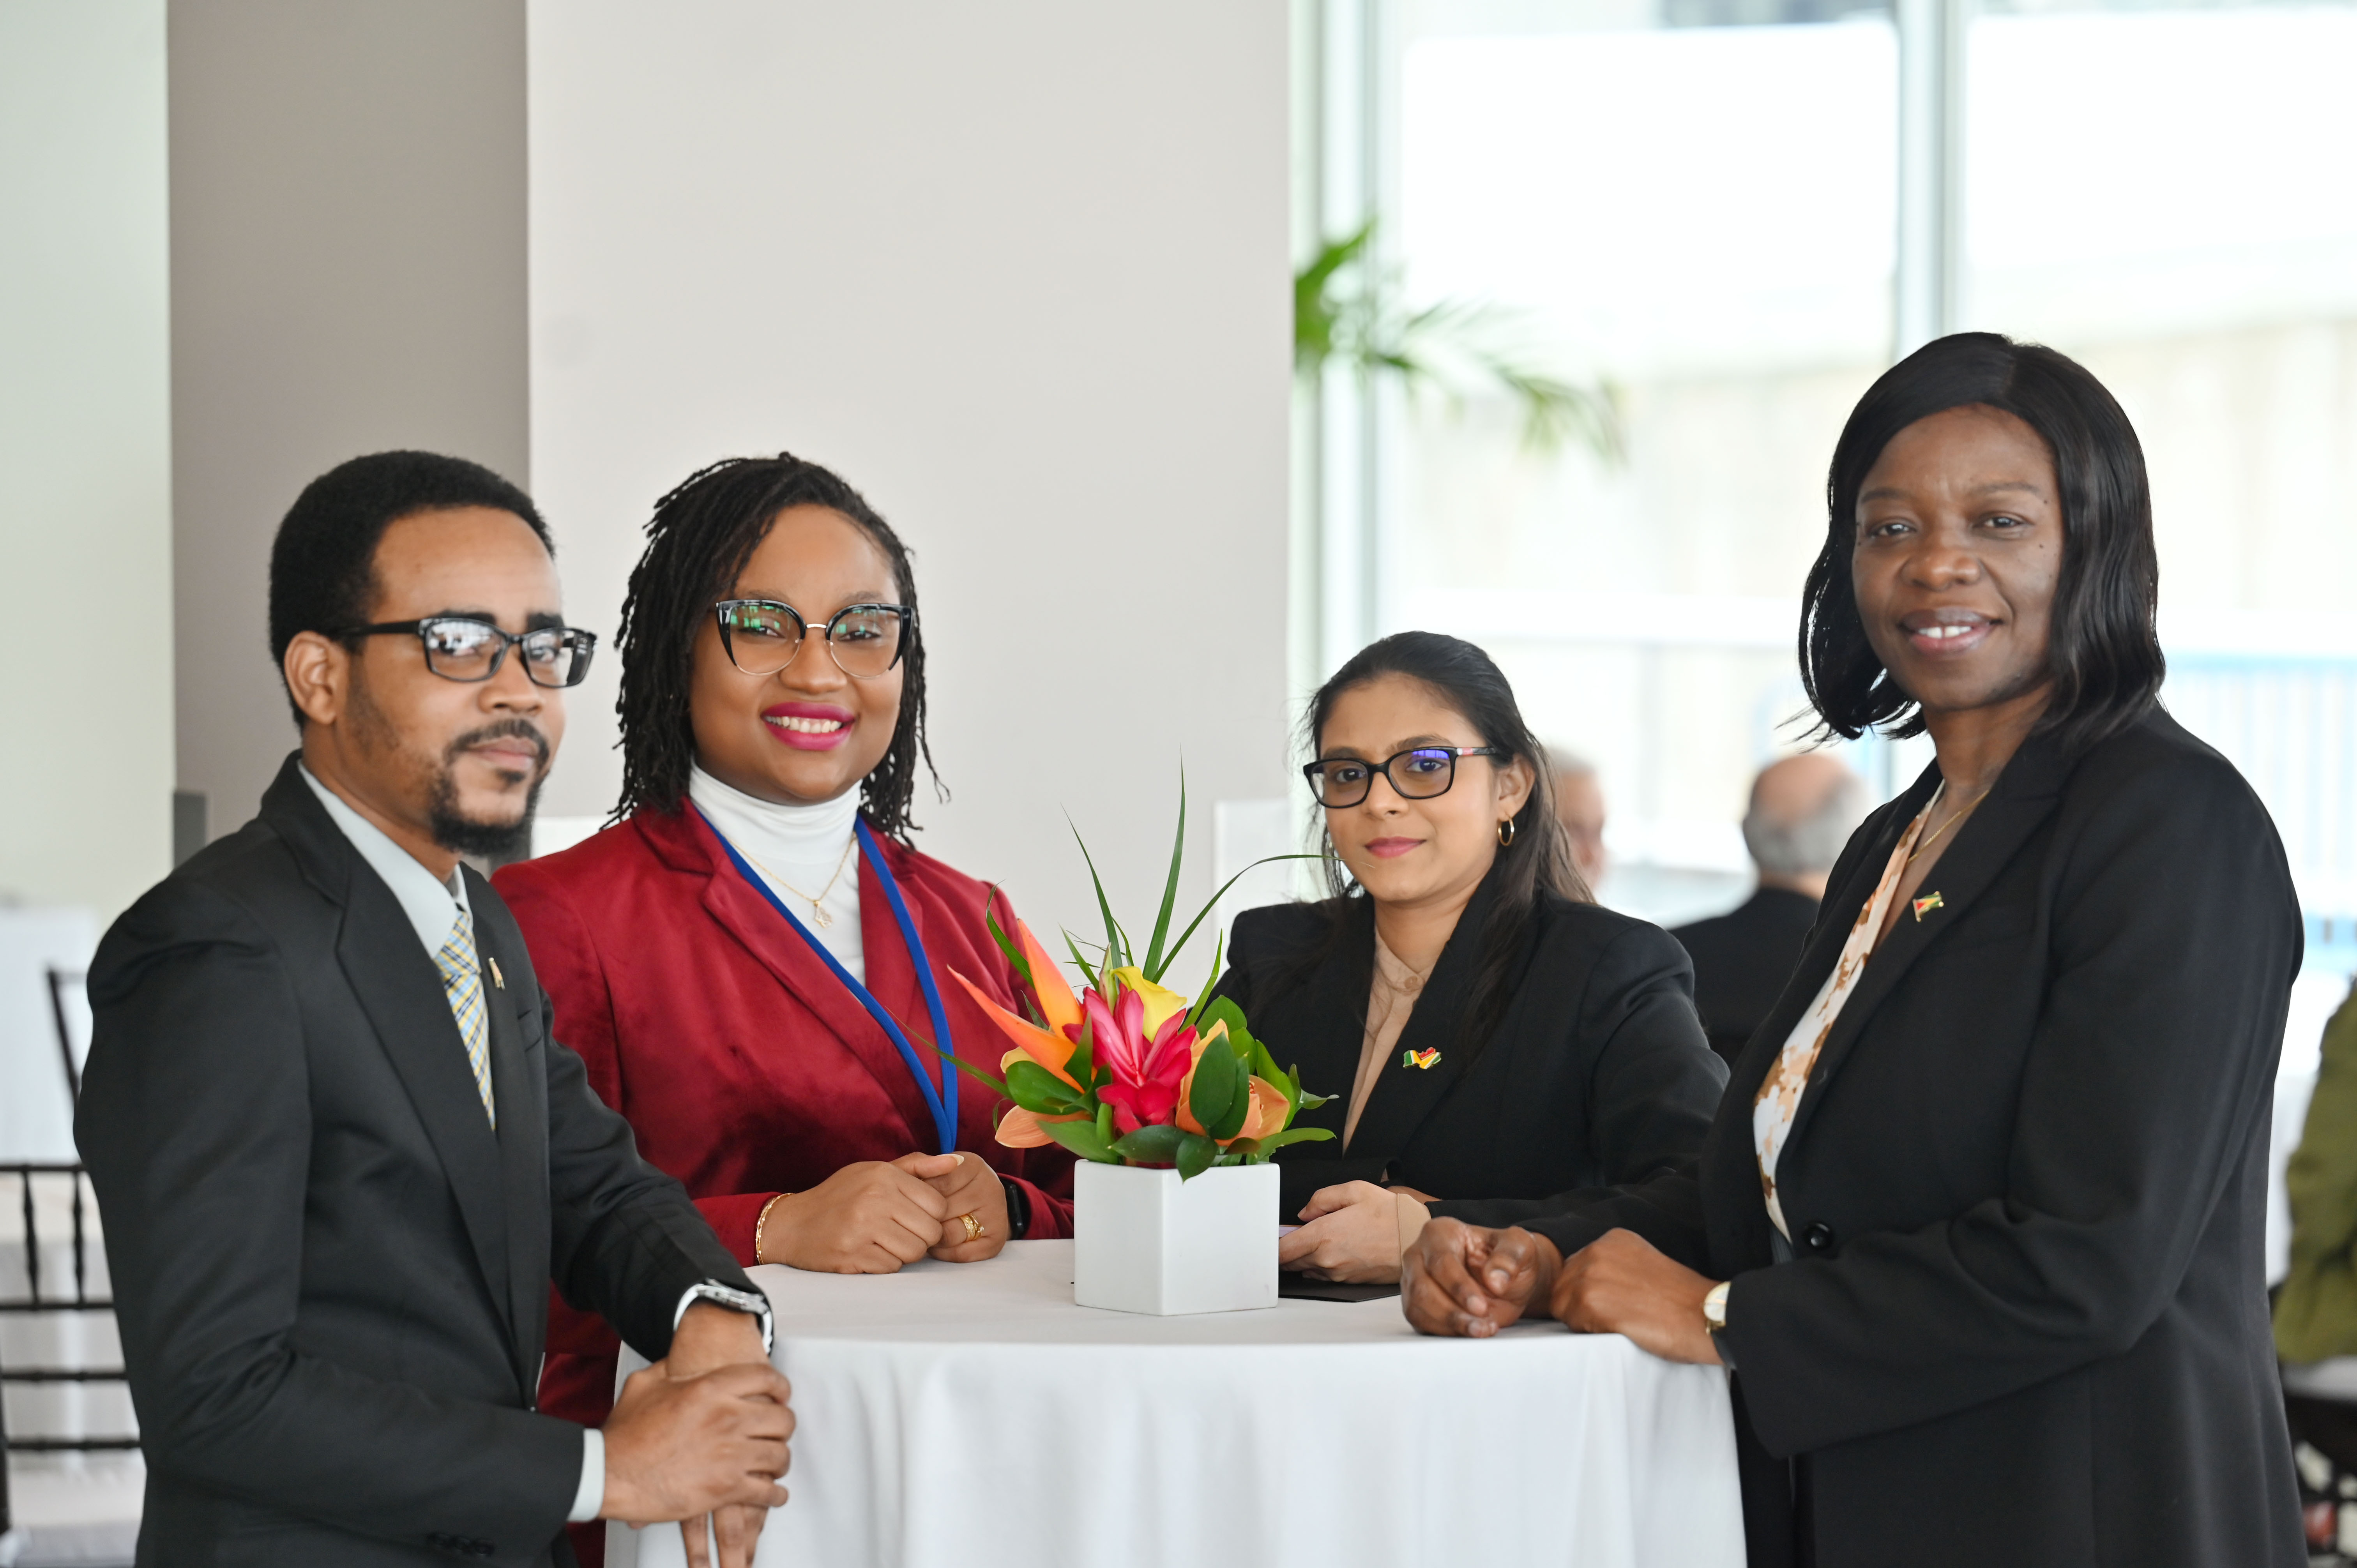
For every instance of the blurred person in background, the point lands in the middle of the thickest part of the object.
(2316, 1310)
(754, 960)
(1492, 1040)
(1980, 1228)
(1803, 810)
(1579, 807)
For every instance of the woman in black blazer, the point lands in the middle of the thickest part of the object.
(1490, 1039)
(2015, 1311)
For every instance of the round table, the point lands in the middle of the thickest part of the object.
(973, 1415)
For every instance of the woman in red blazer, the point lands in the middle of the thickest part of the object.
(753, 962)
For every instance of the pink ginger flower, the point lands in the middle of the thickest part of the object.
(1146, 1069)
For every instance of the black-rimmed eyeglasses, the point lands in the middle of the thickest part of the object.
(462, 648)
(1419, 774)
(762, 636)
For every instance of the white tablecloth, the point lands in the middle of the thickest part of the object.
(971, 1415)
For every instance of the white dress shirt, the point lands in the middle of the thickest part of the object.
(433, 906)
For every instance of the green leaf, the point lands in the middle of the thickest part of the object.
(1196, 1153)
(1104, 1123)
(1114, 943)
(1034, 1087)
(1095, 981)
(1214, 1091)
(995, 1086)
(1232, 1121)
(1014, 957)
(1277, 1141)
(1083, 1063)
(1219, 950)
(1310, 1101)
(1180, 945)
(1083, 1139)
(1156, 1145)
(1155, 962)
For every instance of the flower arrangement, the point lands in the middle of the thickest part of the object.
(1129, 1072)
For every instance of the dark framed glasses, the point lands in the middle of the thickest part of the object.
(762, 636)
(464, 647)
(1420, 774)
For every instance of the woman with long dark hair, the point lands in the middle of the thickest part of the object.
(1979, 1227)
(1492, 1041)
(754, 961)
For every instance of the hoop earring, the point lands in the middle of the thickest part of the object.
(1506, 833)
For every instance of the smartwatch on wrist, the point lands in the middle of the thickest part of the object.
(1018, 1208)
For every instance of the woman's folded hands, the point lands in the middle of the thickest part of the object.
(1467, 1280)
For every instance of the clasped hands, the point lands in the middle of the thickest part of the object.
(1465, 1280)
(874, 1216)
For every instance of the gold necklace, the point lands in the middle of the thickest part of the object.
(1951, 822)
(819, 917)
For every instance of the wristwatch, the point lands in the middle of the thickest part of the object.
(1714, 1318)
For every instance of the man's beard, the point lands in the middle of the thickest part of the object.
(451, 827)
(463, 834)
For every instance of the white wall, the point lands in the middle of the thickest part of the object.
(1020, 272)
(85, 448)
(347, 276)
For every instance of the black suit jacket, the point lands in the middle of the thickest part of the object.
(2027, 1183)
(1741, 960)
(331, 1275)
(1597, 1073)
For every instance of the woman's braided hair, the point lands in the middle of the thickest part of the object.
(702, 534)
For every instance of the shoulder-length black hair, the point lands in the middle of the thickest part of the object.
(1539, 859)
(2103, 654)
(702, 534)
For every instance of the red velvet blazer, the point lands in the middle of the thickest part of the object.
(744, 1066)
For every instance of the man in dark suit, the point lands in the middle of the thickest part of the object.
(1802, 812)
(338, 1156)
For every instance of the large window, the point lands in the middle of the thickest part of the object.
(1737, 212)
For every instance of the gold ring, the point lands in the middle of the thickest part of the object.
(973, 1227)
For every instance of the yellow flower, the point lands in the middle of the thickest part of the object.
(1161, 1004)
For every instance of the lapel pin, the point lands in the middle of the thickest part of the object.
(502, 981)
(1926, 904)
(1424, 1059)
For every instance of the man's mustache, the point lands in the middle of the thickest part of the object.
(503, 729)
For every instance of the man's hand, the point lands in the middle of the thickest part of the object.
(1466, 1280)
(1349, 1232)
(867, 1219)
(970, 1186)
(680, 1448)
(1618, 1284)
(711, 1337)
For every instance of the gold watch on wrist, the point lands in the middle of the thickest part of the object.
(1713, 1307)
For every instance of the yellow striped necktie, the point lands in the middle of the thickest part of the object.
(462, 982)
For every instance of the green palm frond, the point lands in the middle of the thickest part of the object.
(1346, 310)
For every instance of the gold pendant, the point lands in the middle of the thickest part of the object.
(820, 918)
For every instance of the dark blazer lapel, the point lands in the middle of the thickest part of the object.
(750, 919)
(400, 990)
(2024, 794)
(521, 1098)
(1403, 1096)
(1313, 1032)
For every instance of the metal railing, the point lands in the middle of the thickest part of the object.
(42, 1297)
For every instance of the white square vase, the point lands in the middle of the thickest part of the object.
(1143, 1241)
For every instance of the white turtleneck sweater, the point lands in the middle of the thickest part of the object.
(795, 849)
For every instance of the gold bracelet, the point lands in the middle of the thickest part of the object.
(763, 1223)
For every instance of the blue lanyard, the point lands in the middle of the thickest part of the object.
(943, 1104)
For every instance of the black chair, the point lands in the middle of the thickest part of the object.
(39, 1298)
